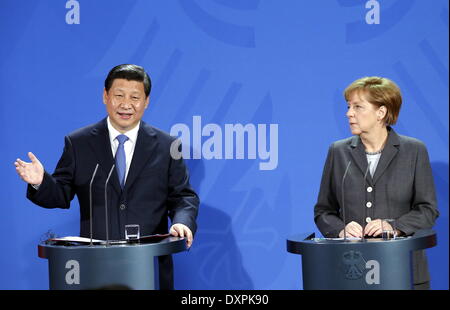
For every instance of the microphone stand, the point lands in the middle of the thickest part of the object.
(343, 199)
(90, 201)
(106, 205)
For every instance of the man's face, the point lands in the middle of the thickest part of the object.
(125, 102)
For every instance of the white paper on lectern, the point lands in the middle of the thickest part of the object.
(76, 239)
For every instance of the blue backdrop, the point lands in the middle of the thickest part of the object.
(254, 62)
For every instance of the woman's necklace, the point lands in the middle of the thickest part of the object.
(375, 153)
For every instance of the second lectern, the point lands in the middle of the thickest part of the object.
(371, 264)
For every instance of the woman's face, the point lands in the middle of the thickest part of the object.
(363, 116)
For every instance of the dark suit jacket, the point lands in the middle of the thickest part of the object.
(402, 189)
(157, 186)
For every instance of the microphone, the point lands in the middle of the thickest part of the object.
(365, 207)
(90, 200)
(343, 199)
(106, 204)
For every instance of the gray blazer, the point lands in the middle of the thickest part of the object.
(402, 188)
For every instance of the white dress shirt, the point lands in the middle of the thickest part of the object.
(372, 160)
(128, 146)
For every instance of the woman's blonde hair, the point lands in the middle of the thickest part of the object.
(378, 91)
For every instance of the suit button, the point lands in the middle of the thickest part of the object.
(368, 219)
(368, 204)
(369, 189)
(122, 207)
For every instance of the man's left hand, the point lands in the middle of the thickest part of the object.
(181, 230)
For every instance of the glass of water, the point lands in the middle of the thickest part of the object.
(388, 231)
(132, 232)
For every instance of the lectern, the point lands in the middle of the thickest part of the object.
(370, 264)
(75, 266)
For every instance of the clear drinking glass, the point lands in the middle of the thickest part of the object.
(132, 232)
(388, 231)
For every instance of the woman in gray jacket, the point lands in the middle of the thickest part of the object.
(388, 175)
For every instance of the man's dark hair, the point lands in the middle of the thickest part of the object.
(130, 73)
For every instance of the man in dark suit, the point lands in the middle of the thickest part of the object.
(147, 185)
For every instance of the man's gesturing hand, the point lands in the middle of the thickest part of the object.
(32, 173)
